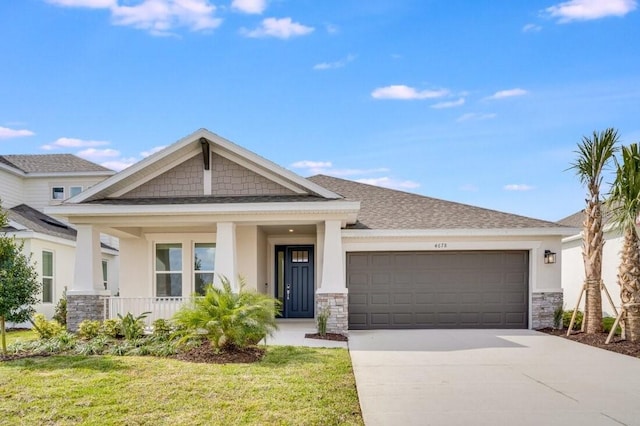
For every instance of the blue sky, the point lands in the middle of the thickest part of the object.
(480, 102)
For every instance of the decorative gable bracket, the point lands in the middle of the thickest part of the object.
(206, 156)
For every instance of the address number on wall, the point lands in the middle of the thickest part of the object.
(440, 245)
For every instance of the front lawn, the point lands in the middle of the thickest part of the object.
(14, 336)
(290, 385)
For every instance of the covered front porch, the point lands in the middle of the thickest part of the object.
(300, 263)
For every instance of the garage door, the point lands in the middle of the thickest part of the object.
(466, 289)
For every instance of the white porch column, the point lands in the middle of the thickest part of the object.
(226, 260)
(87, 277)
(331, 297)
(84, 298)
(332, 260)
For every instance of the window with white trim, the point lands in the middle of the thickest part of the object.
(204, 259)
(168, 270)
(105, 274)
(74, 190)
(57, 193)
(47, 276)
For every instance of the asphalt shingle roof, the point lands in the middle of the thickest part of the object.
(576, 220)
(36, 221)
(382, 208)
(51, 163)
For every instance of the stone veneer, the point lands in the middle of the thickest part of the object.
(84, 307)
(338, 306)
(543, 305)
(229, 178)
(185, 180)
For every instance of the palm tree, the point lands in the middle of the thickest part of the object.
(624, 202)
(594, 156)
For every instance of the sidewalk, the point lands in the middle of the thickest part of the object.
(291, 333)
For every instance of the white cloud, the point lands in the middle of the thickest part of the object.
(518, 187)
(469, 187)
(448, 104)
(308, 164)
(93, 4)
(585, 10)
(152, 151)
(508, 93)
(531, 28)
(72, 143)
(333, 65)
(7, 133)
(160, 16)
(475, 116)
(249, 6)
(391, 183)
(403, 92)
(283, 28)
(332, 29)
(120, 164)
(94, 154)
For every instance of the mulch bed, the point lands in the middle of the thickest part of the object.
(327, 336)
(206, 354)
(617, 345)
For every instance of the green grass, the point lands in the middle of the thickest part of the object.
(290, 386)
(13, 336)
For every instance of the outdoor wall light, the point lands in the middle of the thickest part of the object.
(549, 256)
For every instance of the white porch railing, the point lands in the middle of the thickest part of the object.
(160, 307)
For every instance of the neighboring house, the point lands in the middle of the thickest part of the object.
(376, 258)
(28, 184)
(573, 264)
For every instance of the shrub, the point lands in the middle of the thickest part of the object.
(557, 317)
(161, 328)
(89, 329)
(60, 313)
(607, 324)
(111, 328)
(132, 327)
(229, 319)
(566, 319)
(323, 317)
(46, 329)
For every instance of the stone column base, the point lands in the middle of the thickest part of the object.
(85, 307)
(338, 306)
(543, 306)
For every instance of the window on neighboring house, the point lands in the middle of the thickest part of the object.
(74, 190)
(47, 277)
(168, 267)
(57, 193)
(204, 259)
(105, 275)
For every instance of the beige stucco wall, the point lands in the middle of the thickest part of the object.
(247, 255)
(135, 267)
(573, 270)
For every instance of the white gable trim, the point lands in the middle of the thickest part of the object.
(216, 140)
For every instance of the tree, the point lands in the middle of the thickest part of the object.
(19, 285)
(624, 203)
(595, 155)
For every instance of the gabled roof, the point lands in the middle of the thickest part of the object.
(185, 147)
(575, 220)
(29, 219)
(382, 208)
(51, 163)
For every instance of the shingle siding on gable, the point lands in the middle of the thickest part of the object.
(229, 178)
(185, 180)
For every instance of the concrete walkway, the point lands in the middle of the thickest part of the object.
(291, 333)
(491, 377)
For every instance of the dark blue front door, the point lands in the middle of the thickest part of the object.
(295, 281)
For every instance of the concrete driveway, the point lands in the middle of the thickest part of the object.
(491, 377)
